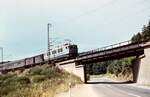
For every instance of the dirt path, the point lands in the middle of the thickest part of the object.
(84, 90)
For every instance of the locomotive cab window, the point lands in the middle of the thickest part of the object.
(71, 47)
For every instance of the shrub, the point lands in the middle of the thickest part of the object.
(11, 82)
(123, 66)
(51, 72)
(38, 78)
(7, 76)
(35, 71)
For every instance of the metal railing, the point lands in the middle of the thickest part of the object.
(106, 48)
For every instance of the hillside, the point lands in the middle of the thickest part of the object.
(39, 81)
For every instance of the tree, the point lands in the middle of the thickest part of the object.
(137, 38)
(143, 36)
(146, 33)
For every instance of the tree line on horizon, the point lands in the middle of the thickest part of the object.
(143, 36)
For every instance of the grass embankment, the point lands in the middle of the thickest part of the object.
(39, 81)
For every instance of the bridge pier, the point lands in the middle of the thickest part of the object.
(135, 68)
(85, 73)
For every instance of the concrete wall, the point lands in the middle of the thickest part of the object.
(136, 64)
(72, 68)
(80, 72)
(144, 68)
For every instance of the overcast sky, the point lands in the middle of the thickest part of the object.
(88, 23)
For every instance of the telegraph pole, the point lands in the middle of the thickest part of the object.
(48, 38)
(1, 54)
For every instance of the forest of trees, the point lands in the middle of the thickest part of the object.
(116, 67)
(142, 36)
(122, 66)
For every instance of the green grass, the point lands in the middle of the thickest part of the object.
(39, 81)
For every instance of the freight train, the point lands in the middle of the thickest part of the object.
(56, 54)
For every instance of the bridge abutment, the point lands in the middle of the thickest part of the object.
(144, 67)
(73, 68)
(141, 68)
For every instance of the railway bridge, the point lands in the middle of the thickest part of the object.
(125, 49)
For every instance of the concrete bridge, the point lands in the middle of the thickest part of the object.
(141, 66)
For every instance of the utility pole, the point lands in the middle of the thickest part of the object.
(1, 54)
(48, 38)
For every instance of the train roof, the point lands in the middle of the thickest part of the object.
(13, 61)
(61, 45)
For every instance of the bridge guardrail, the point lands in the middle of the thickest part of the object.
(106, 48)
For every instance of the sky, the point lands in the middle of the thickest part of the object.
(90, 24)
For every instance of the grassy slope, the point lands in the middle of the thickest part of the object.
(39, 81)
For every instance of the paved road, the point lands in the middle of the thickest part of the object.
(117, 90)
(107, 88)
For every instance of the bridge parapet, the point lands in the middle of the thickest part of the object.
(146, 45)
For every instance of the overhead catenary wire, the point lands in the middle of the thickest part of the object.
(125, 17)
(87, 13)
